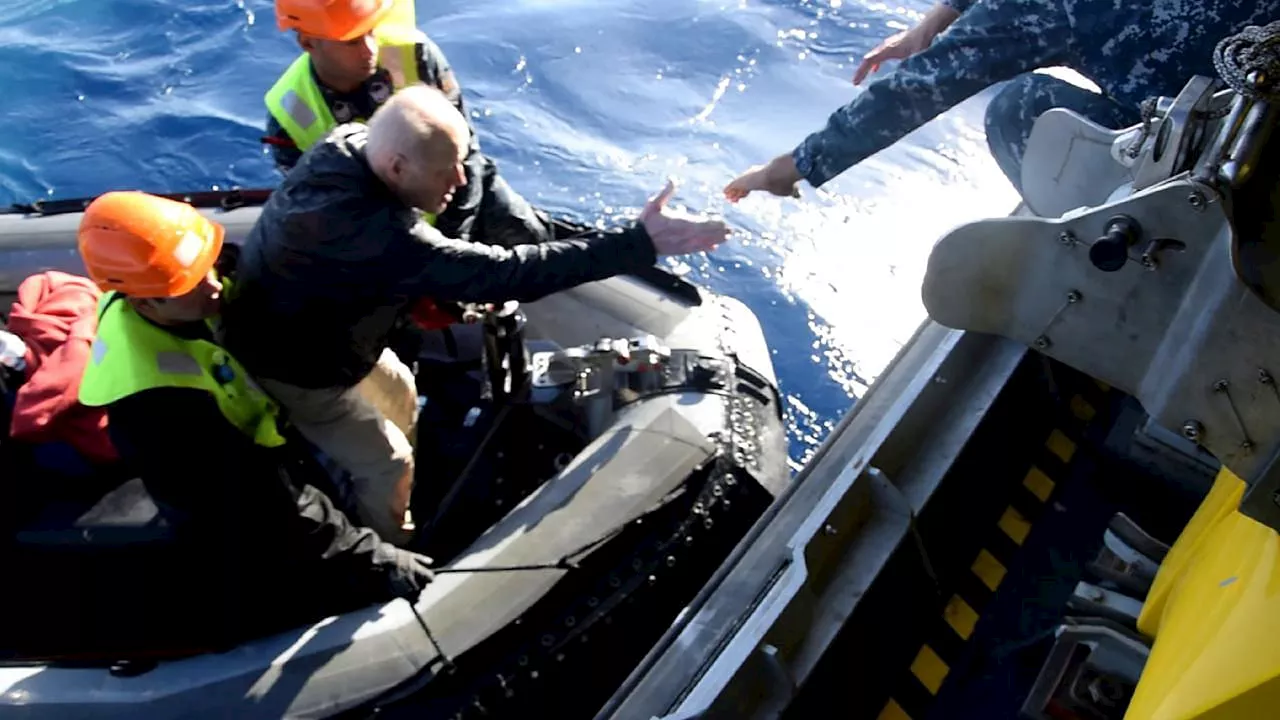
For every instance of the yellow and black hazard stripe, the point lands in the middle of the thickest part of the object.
(912, 697)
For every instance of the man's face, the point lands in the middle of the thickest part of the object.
(343, 64)
(204, 301)
(429, 183)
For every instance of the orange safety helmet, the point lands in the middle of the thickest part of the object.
(331, 19)
(147, 246)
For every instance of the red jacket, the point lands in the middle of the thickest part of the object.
(56, 316)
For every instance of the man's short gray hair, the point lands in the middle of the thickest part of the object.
(409, 124)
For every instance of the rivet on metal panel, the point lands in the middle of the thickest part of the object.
(1192, 430)
(1222, 387)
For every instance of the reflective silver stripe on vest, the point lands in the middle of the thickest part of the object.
(177, 363)
(298, 110)
(99, 350)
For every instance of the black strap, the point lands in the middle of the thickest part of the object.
(112, 297)
(450, 341)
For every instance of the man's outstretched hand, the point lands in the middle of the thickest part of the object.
(779, 176)
(681, 234)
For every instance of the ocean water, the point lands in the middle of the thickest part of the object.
(586, 106)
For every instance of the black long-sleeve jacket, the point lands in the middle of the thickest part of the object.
(270, 550)
(336, 259)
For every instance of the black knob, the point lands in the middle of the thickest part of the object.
(1109, 252)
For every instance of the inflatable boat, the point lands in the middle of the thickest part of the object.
(623, 436)
(1061, 500)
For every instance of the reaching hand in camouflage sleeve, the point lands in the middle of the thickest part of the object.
(903, 45)
(1132, 49)
(778, 176)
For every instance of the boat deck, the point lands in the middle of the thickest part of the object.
(963, 616)
(926, 555)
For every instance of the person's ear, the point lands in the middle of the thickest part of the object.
(399, 167)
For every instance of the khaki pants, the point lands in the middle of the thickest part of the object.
(370, 431)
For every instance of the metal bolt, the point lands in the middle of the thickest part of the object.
(1196, 200)
(1066, 238)
(1265, 378)
(1043, 342)
(1105, 691)
(829, 529)
(1192, 430)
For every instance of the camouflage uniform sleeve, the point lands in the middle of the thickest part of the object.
(994, 41)
(283, 151)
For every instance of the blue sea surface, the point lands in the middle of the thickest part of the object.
(586, 106)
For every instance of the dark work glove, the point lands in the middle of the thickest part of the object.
(410, 574)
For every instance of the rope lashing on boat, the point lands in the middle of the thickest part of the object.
(445, 660)
(1249, 61)
(1255, 49)
(564, 563)
(568, 561)
(1148, 114)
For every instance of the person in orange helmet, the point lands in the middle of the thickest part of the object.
(269, 550)
(349, 66)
